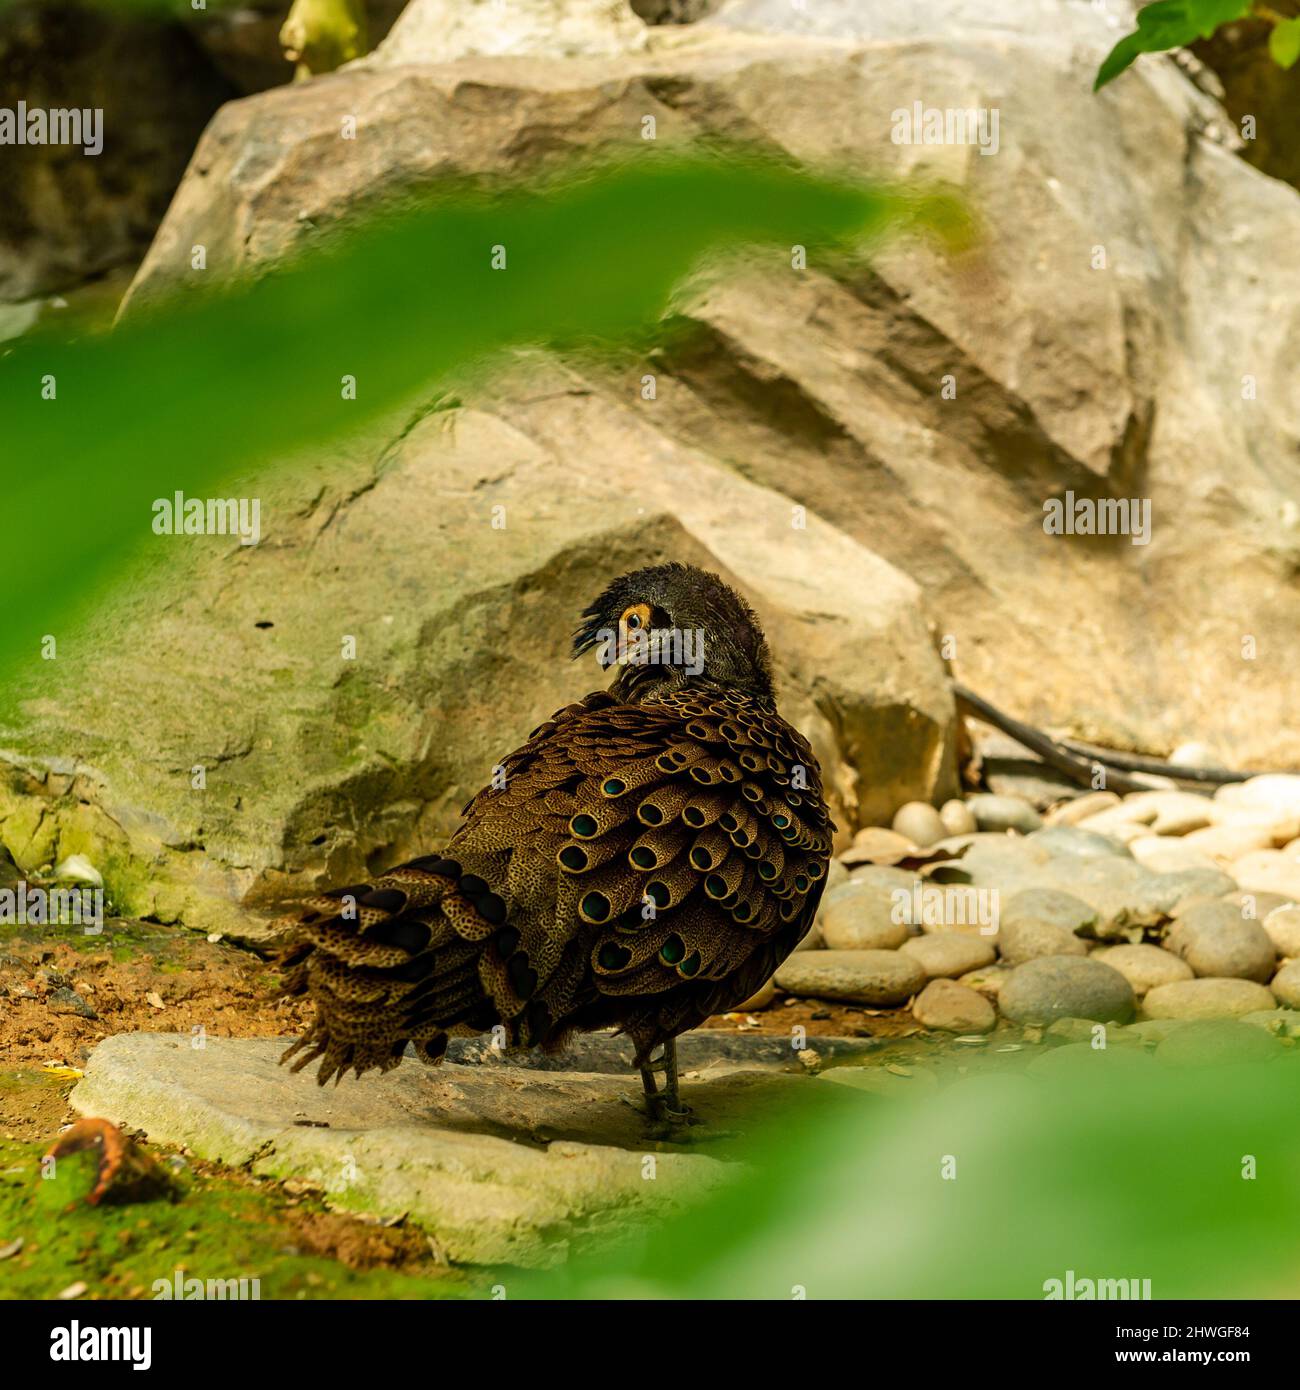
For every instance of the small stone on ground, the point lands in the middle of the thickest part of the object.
(953, 1008)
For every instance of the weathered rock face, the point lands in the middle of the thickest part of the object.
(456, 555)
(225, 752)
(823, 389)
(1122, 382)
(439, 33)
(66, 216)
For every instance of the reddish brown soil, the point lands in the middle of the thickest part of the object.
(134, 977)
(821, 1019)
(163, 979)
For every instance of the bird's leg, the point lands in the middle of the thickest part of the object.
(664, 1106)
(673, 1107)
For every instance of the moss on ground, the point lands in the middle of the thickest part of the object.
(214, 1225)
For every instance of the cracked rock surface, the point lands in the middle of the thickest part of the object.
(504, 1163)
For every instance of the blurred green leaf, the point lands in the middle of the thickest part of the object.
(1284, 43)
(1125, 52)
(1169, 24)
(215, 383)
(1121, 1167)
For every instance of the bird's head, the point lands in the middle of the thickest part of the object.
(668, 626)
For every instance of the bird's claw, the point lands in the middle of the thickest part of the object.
(666, 1121)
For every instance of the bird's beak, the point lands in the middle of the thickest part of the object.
(611, 649)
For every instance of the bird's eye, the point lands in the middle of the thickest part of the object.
(636, 617)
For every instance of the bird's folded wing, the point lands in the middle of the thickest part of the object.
(638, 847)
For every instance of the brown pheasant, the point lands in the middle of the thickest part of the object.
(646, 859)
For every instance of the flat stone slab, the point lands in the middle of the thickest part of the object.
(504, 1162)
(706, 1049)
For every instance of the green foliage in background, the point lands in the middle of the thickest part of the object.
(1284, 42)
(183, 399)
(1172, 24)
(1118, 1164)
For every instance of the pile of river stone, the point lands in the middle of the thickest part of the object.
(1163, 904)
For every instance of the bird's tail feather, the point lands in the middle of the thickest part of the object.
(384, 966)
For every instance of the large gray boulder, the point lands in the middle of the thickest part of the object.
(821, 389)
(219, 752)
(1102, 344)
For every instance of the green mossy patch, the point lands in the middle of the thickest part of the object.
(214, 1227)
